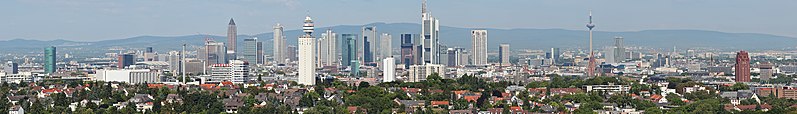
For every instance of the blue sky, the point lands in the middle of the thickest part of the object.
(92, 20)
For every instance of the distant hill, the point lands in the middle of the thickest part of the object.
(460, 37)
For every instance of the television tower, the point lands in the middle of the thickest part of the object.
(591, 66)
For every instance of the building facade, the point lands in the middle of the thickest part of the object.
(327, 49)
(232, 39)
(307, 61)
(479, 40)
(49, 60)
(503, 54)
(742, 67)
(236, 71)
(389, 70)
(419, 73)
(128, 76)
(280, 48)
(252, 51)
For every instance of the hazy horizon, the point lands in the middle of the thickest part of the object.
(94, 20)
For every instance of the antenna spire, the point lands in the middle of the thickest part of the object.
(423, 7)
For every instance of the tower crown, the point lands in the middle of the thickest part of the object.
(590, 25)
(308, 25)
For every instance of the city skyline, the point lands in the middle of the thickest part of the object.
(142, 17)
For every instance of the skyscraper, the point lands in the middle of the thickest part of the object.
(555, 53)
(307, 63)
(366, 44)
(619, 54)
(49, 60)
(349, 50)
(150, 55)
(214, 53)
(327, 48)
(11, 68)
(591, 65)
(124, 60)
(279, 50)
(389, 69)
(252, 51)
(479, 40)
(174, 62)
(742, 67)
(429, 31)
(503, 53)
(406, 57)
(766, 71)
(386, 47)
(232, 38)
(457, 56)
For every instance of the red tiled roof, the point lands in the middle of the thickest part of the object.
(51, 90)
(225, 83)
(460, 92)
(471, 98)
(436, 103)
(155, 85)
(436, 91)
(515, 108)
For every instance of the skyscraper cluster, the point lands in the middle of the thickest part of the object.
(327, 49)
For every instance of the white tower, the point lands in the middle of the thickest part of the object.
(279, 44)
(307, 54)
(389, 70)
(479, 46)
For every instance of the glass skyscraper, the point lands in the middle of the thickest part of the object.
(349, 52)
(49, 59)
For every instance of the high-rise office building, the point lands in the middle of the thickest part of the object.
(389, 70)
(555, 53)
(49, 60)
(742, 67)
(766, 71)
(503, 53)
(291, 53)
(618, 53)
(174, 62)
(307, 63)
(124, 60)
(327, 48)
(150, 55)
(429, 31)
(252, 51)
(349, 50)
(280, 47)
(366, 44)
(11, 68)
(407, 50)
(232, 38)
(457, 56)
(386, 47)
(479, 40)
(214, 53)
